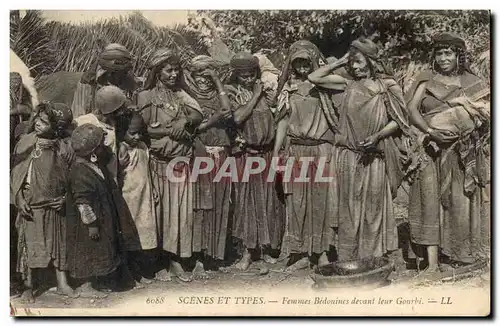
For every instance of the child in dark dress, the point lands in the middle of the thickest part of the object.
(38, 190)
(93, 222)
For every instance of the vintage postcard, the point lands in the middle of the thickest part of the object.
(250, 163)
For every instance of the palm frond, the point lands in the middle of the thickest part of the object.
(30, 40)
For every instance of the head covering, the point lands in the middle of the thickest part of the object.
(108, 99)
(115, 57)
(86, 138)
(372, 52)
(244, 61)
(199, 64)
(158, 59)
(202, 62)
(161, 56)
(60, 116)
(301, 49)
(306, 50)
(367, 47)
(448, 39)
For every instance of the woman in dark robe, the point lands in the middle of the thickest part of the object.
(211, 198)
(93, 222)
(259, 216)
(304, 128)
(172, 116)
(369, 163)
(113, 67)
(445, 210)
(38, 188)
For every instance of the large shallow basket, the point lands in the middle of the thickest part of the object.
(368, 272)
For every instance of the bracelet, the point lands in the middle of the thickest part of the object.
(222, 93)
(428, 130)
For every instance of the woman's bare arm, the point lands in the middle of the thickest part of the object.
(323, 76)
(388, 130)
(243, 112)
(281, 131)
(416, 117)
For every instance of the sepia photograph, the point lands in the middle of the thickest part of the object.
(250, 163)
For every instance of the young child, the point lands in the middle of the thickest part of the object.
(93, 222)
(137, 190)
(38, 189)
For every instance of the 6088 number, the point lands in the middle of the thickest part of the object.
(155, 300)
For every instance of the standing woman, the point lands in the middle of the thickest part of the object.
(372, 114)
(172, 116)
(259, 212)
(445, 199)
(211, 200)
(303, 126)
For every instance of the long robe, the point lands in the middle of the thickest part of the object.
(137, 192)
(368, 182)
(259, 213)
(174, 211)
(87, 257)
(310, 205)
(42, 179)
(446, 198)
(212, 199)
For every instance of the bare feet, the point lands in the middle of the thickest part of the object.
(431, 273)
(199, 271)
(144, 280)
(27, 296)
(163, 276)
(245, 261)
(323, 260)
(138, 285)
(86, 291)
(302, 263)
(179, 272)
(270, 260)
(67, 291)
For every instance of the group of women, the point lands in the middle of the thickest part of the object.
(94, 197)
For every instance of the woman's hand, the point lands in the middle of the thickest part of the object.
(211, 73)
(257, 88)
(94, 233)
(441, 136)
(370, 142)
(24, 207)
(178, 128)
(58, 204)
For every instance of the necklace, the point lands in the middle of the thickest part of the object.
(37, 152)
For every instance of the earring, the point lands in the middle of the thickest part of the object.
(93, 158)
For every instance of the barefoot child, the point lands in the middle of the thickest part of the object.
(93, 222)
(39, 185)
(137, 189)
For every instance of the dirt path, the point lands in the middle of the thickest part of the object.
(221, 283)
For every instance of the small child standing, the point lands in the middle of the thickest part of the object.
(93, 221)
(38, 188)
(137, 191)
